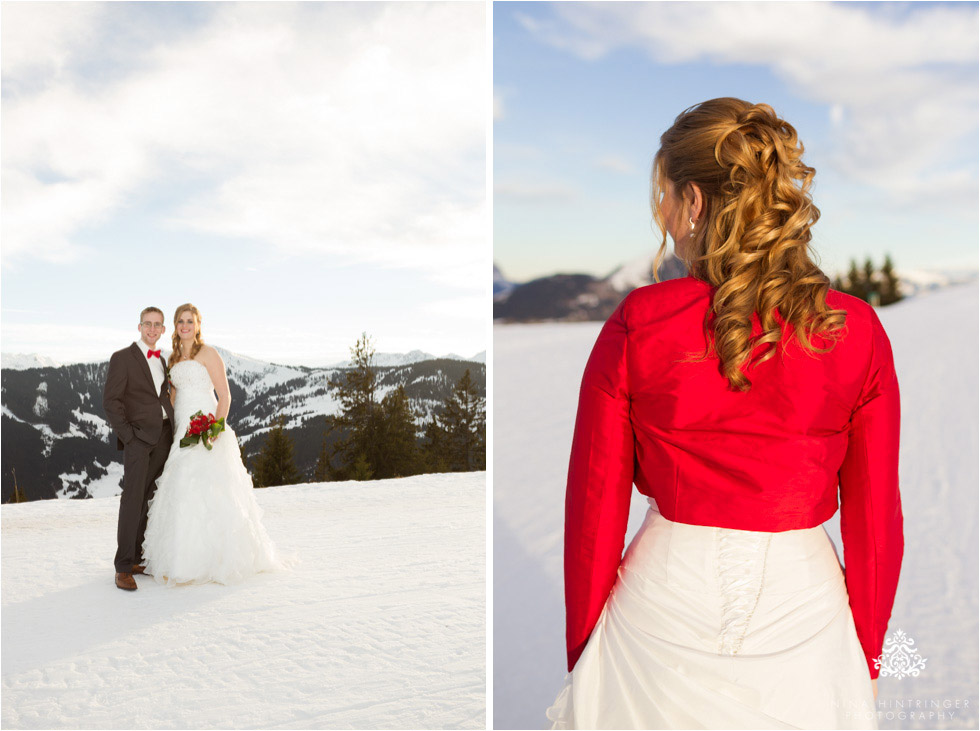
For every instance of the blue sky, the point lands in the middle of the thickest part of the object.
(883, 96)
(301, 172)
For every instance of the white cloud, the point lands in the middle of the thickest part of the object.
(900, 81)
(587, 45)
(349, 130)
(836, 115)
(498, 104)
(811, 35)
(42, 38)
(616, 163)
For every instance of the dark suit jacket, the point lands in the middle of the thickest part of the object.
(131, 403)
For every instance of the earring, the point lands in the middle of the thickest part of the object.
(691, 221)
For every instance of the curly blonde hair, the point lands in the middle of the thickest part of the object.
(175, 339)
(752, 243)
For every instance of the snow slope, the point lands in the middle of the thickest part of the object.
(537, 369)
(21, 361)
(381, 625)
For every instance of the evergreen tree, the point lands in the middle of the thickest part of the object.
(869, 281)
(434, 448)
(463, 421)
(358, 418)
(399, 455)
(854, 283)
(890, 288)
(274, 465)
(322, 472)
(361, 470)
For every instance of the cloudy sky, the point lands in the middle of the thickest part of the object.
(883, 96)
(302, 172)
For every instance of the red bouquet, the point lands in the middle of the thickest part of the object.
(203, 428)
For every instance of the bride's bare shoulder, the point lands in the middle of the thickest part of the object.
(207, 354)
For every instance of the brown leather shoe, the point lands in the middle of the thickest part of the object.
(126, 581)
(137, 569)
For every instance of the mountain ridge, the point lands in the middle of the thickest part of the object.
(570, 297)
(54, 434)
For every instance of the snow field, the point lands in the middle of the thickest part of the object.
(380, 625)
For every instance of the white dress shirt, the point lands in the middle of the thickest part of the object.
(156, 367)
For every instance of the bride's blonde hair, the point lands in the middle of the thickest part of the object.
(175, 339)
(752, 242)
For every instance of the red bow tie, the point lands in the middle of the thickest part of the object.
(152, 354)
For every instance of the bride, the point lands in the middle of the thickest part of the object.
(204, 523)
(730, 608)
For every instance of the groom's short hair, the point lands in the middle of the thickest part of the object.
(152, 309)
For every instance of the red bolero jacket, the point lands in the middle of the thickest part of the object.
(769, 459)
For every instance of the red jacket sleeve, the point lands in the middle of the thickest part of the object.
(870, 504)
(600, 481)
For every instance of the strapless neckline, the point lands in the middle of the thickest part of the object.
(189, 361)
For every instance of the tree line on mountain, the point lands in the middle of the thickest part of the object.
(373, 439)
(877, 287)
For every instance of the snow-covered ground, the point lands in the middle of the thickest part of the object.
(537, 369)
(381, 625)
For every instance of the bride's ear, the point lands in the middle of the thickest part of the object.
(695, 200)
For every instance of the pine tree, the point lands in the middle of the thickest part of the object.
(890, 288)
(359, 412)
(274, 465)
(361, 470)
(434, 449)
(399, 455)
(869, 281)
(322, 472)
(463, 420)
(854, 285)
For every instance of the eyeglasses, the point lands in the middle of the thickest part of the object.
(152, 325)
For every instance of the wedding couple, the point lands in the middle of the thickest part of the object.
(186, 514)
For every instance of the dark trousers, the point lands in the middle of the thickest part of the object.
(142, 465)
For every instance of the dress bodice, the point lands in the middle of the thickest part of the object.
(195, 391)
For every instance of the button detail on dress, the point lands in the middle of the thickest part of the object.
(741, 565)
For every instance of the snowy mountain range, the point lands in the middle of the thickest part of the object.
(501, 285)
(414, 356)
(576, 297)
(21, 362)
(54, 435)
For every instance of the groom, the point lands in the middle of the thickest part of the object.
(137, 405)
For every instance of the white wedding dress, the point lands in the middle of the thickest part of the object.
(717, 628)
(204, 523)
